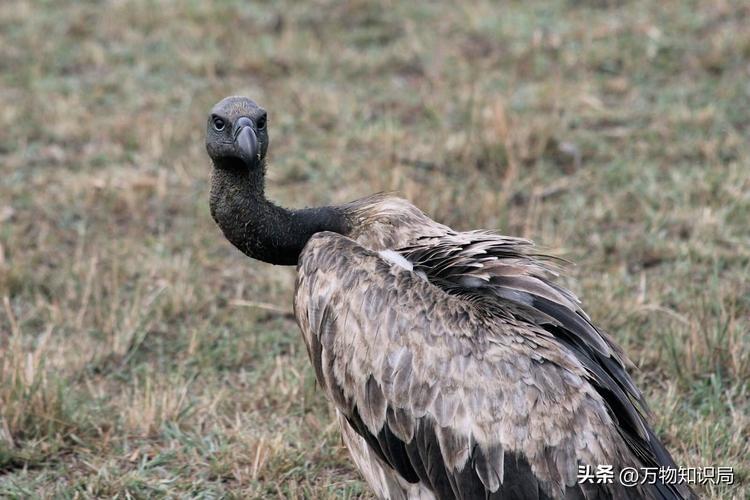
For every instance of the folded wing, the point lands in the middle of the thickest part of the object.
(467, 380)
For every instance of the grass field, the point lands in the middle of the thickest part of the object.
(141, 356)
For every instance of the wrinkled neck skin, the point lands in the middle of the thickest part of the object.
(259, 228)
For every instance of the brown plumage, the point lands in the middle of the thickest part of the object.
(457, 367)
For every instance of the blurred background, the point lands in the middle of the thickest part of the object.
(142, 356)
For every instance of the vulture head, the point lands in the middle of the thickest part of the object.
(236, 134)
(237, 143)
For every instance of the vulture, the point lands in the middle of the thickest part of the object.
(457, 366)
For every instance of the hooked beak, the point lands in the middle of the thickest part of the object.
(246, 140)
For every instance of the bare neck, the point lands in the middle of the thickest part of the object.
(259, 228)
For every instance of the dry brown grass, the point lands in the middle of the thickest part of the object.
(139, 356)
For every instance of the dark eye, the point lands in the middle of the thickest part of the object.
(219, 123)
(261, 122)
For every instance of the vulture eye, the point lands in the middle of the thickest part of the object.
(261, 122)
(219, 123)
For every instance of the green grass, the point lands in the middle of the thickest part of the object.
(139, 356)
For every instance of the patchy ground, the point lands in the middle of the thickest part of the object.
(142, 356)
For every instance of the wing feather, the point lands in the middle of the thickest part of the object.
(458, 391)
